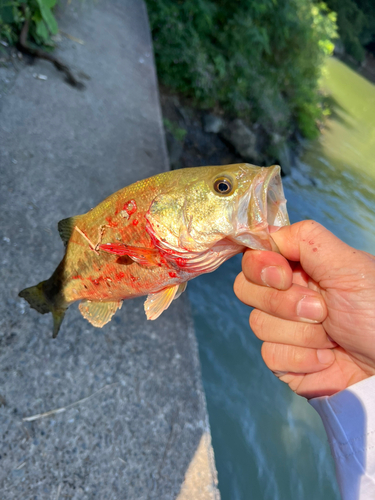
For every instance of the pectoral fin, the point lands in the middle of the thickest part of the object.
(180, 290)
(98, 313)
(158, 302)
(143, 256)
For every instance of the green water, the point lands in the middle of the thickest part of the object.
(269, 443)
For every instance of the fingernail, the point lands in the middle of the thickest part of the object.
(273, 276)
(310, 308)
(325, 356)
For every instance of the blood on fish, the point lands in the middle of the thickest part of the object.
(173, 275)
(181, 262)
(77, 277)
(130, 207)
(110, 222)
(135, 222)
(95, 281)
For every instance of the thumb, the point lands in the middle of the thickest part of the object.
(321, 254)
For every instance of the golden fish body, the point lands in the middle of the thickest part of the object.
(152, 237)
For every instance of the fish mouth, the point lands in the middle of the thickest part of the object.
(264, 207)
(268, 203)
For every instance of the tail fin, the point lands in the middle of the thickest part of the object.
(38, 300)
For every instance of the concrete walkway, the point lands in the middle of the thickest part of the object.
(134, 423)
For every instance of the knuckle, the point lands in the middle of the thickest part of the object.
(283, 357)
(296, 357)
(307, 227)
(269, 355)
(272, 300)
(308, 334)
(246, 261)
(237, 286)
(256, 321)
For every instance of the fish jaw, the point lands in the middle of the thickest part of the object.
(263, 206)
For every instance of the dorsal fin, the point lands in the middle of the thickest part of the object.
(99, 313)
(66, 227)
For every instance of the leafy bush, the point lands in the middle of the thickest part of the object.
(356, 24)
(255, 58)
(13, 14)
(177, 132)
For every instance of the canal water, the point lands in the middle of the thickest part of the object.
(269, 443)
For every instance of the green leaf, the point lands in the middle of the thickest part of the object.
(48, 17)
(37, 16)
(42, 30)
(49, 3)
(6, 14)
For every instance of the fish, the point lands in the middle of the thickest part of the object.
(152, 237)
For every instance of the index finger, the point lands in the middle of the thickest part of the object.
(267, 268)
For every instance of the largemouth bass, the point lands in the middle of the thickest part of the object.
(152, 237)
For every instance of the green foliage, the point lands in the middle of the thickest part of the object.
(14, 13)
(256, 58)
(356, 24)
(177, 132)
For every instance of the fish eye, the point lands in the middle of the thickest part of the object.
(223, 186)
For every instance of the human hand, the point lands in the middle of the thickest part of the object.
(315, 313)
